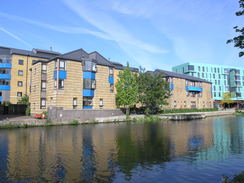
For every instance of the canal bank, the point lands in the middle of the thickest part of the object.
(24, 121)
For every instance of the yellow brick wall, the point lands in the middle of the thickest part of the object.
(25, 89)
(73, 86)
(102, 90)
(178, 94)
(35, 94)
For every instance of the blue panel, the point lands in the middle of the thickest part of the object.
(1, 98)
(5, 76)
(88, 93)
(171, 86)
(87, 107)
(4, 87)
(5, 65)
(193, 88)
(62, 74)
(89, 75)
(111, 79)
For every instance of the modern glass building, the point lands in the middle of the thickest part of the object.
(223, 78)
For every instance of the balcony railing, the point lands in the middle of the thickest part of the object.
(5, 76)
(5, 65)
(194, 88)
(4, 87)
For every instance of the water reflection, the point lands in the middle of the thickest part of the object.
(119, 152)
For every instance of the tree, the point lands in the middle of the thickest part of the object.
(127, 90)
(153, 91)
(239, 40)
(226, 99)
(25, 100)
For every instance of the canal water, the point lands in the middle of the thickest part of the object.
(199, 151)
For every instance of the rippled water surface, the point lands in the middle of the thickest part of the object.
(170, 152)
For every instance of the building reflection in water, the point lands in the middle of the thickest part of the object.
(95, 153)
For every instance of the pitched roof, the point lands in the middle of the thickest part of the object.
(177, 75)
(99, 59)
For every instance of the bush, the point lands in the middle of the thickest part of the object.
(75, 122)
(166, 111)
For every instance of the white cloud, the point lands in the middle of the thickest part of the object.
(119, 33)
(15, 37)
(64, 29)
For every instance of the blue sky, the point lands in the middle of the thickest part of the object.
(148, 33)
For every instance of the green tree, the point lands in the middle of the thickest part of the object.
(227, 99)
(153, 90)
(25, 100)
(127, 90)
(239, 40)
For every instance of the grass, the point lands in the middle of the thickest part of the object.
(237, 179)
(146, 119)
(239, 113)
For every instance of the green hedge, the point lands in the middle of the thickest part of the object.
(166, 111)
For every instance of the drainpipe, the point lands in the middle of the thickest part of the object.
(26, 78)
(57, 78)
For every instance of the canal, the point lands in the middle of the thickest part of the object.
(200, 151)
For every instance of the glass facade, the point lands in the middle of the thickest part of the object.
(223, 78)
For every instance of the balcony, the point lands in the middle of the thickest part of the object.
(88, 93)
(1, 98)
(89, 75)
(62, 74)
(194, 88)
(87, 107)
(111, 79)
(5, 76)
(5, 65)
(4, 87)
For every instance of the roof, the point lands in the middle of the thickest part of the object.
(34, 53)
(177, 75)
(99, 59)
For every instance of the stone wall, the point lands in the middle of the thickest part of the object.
(58, 114)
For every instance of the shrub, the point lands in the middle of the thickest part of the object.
(75, 122)
(166, 111)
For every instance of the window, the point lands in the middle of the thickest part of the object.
(1, 94)
(19, 94)
(214, 76)
(89, 66)
(89, 83)
(100, 102)
(214, 94)
(20, 83)
(62, 65)
(214, 88)
(218, 70)
(199, 68)
(111, 71)
(21, 62)
(203, 69)
(219, 94)
(218, 82)
(87, 101)
(43, 103)
(175, 104)
(111, 88)
(219, 76)
(43, 85)
(20, 72)
(215, 70)
(44, 68)
(219, 88)
(74, 103)
(61, 83)
(202, 75)
(191, 67)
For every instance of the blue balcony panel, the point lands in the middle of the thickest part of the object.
(87, 107)
(171, 86)
(193, 88)
(62, 74)
(1, 98)
(5, 65)
(4, 87)
(111, 79)
(88, 93)
(5, 76)
(89, 75)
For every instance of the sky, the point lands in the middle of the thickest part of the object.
(154, 34)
